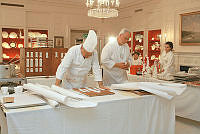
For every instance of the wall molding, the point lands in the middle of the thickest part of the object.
(187, 53)
(186, 59)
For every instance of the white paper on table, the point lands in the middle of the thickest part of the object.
(24, 100)
(52, 103)
(81, 104)
(46, 93)
(170, 88)
(71, 97)
(157, 92)
(140, 85)
(180, 88)
(43, 86)
(67, 92)
(125, 86)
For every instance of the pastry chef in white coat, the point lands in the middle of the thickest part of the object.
(116, 59)
(136, 59)
(77, 62)
(167, 62)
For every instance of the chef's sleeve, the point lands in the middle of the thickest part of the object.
(96, 68)
(65, 64)
(106, 57)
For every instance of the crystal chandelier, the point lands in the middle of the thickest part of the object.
(103, 8)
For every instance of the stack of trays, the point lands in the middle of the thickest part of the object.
(182, 77)
(23, 101)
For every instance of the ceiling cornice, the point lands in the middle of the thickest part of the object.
(134, 4)
(70, 3)
(58, 3)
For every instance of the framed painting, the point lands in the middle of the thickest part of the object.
(58, 41)
(190, 29)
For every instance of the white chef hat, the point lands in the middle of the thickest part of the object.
(91, 41)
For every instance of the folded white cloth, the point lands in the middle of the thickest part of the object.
(126, 86)
(61, 95)
(52, 103)
(165, 90)
(171, 88)
(80, 104)
(74, 100)
(46, 93)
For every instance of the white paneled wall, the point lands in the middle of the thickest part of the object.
(186, 59)
(58, 18)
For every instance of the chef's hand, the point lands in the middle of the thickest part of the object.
(121, 65)
(102, 86)
(127, 65)
(58, 82)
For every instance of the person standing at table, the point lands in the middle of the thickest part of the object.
(136, 63)
(136, 59)
(116, 59)
(77, 62)
(167, 62)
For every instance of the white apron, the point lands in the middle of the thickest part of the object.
(168, 64)
(113, 53)
(77, 76)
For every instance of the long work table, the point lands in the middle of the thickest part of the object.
(187, 105)
(121, 113)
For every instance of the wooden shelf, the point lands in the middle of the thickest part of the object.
(13, 51)
(153, 34)
(136, 42)
(35, 41)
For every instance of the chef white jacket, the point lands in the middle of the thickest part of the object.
(114, 53)
(168, 63)
(76, 68)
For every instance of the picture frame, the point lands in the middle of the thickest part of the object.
(190, 29)
(58, 42)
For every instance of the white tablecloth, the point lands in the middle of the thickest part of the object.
(122, 113)
(187, 105)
